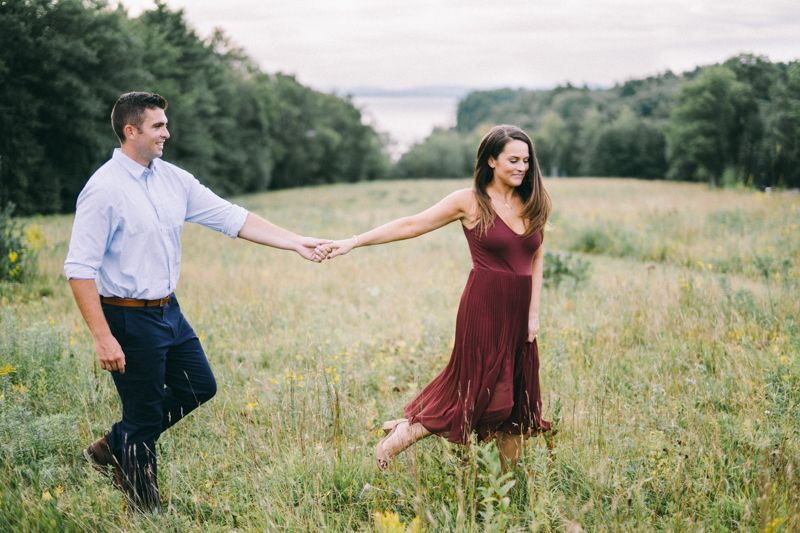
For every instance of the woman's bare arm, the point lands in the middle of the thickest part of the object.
(537, 269)
(456, 206)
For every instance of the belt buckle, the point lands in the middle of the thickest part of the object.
(163, 301)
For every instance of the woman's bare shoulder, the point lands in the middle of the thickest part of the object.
(467, 204)
(465, 198)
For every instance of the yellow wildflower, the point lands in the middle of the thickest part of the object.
(250, 407)
(389, 522)
(13, 256)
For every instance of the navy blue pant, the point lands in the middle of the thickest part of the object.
(166, 377)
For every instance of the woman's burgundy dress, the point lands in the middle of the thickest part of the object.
(492, 380)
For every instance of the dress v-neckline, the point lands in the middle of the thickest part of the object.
(497, 215)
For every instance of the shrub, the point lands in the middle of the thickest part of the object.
(443, 154)
(19, 247)
(592, 240)
(18, 514)
(561, 265)
(36, 371)
(605, 238)
(25, 437)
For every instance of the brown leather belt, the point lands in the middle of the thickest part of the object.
(133, 302)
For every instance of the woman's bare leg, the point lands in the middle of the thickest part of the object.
(404, 437)
(510, 447)
(401, 437)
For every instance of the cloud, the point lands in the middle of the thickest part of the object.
(535, 43)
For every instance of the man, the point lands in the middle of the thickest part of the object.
(123, 265)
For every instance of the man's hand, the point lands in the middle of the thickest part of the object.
(261, 231)
(313, 249)
(110, 355)
(108, 350)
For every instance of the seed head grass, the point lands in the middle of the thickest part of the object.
(671, 368)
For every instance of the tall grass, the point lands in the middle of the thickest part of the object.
(674, 376)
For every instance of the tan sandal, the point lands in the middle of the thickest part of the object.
(391, 424)
(381, 455)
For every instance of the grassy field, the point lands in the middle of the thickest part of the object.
(673, 372)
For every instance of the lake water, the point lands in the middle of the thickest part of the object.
(406, 119)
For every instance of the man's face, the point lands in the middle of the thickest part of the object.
(148, 140)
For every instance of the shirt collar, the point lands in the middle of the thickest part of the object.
(136, 170)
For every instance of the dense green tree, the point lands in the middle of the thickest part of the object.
(551, 143)
(218, 125)
(628, 147)
(734, 120)
(557, 120)
(443, 154)
(320, 138)
(62, 66)
(782, 138)
(755, 71)
(649, 97)
(707, 124)
(476, 108)
(737, 121)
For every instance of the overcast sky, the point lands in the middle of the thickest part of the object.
(340, 44)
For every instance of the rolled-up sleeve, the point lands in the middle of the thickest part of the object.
(206, 208)
(91, 233)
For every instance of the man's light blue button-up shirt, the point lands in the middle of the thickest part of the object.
(128, 225)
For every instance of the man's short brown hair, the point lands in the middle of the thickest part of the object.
(130, 109)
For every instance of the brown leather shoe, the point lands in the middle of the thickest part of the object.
(99, 454)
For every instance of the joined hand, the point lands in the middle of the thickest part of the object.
(327, 249)
(313, 249)
(341, 247)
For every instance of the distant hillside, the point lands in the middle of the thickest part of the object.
(434, 91)
(649, 97)
(735, 122)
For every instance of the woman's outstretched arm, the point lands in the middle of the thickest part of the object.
(537, 268)
(455, 206)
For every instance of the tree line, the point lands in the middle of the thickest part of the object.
(737, 122)
(63, 64)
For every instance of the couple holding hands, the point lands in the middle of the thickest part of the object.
(124, 262)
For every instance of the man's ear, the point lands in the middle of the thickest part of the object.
(130, 132)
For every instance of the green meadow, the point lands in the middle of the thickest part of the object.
(670, 361)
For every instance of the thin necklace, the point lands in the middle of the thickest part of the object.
(502, 202)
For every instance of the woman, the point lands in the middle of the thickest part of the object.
(491, 384)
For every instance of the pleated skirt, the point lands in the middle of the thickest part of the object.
(491, 382)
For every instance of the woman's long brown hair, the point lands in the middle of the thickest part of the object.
(536, 201)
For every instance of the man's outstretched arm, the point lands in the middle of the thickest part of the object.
(108, 350)
(261, 231)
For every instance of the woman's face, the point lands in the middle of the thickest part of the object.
(512, 164)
